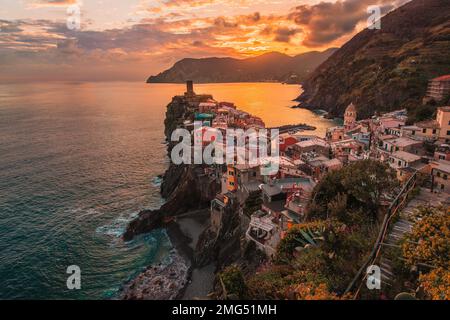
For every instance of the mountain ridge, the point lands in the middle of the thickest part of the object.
(381, 70)
(271, 66)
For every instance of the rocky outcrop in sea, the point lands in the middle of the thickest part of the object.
(185, 187)
(159, 282)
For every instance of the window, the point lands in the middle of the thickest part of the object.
(445, 177)
(399, 163)
(448, 132)
(438, 174)
(442, 187)
(413, 133)
(434, 131)
(424, 130)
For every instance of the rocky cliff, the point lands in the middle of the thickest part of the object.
(185, 187)
(381, 70)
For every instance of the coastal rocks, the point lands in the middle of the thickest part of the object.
(193, 191)
(186, 187)
(171, 179)
(160, 282)
(175, 115)
(146, 221)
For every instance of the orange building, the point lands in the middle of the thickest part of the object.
(443, 119)
(232, 182)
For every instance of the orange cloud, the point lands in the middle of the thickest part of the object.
(53, 3)
(155, 43)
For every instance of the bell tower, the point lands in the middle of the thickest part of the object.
(350, 117)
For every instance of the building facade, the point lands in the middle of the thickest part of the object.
(443, 119)
(438, 88)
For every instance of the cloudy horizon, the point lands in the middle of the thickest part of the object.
(130, 40)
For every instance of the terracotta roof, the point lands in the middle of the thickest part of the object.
(312, 142)
(442, 165)
(383, 137)
(332, 163)
(406, 156)
(392, 123)
(433, 124)
(404, 142)
(442, 78)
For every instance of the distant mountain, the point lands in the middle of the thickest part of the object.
(272, 66)
(385, 69)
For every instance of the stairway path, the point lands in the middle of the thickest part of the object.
(405, 225)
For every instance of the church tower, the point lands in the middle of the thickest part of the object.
(350, 117)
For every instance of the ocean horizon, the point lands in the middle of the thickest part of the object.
(79, 161)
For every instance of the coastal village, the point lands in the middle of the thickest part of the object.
(306, 158)
(279, 152)
(248, 208)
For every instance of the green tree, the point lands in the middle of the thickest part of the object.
(252, 203)
(234, 282)
(354, 190)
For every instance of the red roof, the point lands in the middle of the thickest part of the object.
(442, 78)
(289, 141)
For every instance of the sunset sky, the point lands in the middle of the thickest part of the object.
(129, 40)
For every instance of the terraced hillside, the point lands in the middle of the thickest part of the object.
(380, 70)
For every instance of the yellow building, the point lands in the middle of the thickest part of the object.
(232, 182)
(443, 118)
(428, 130)
(350, 117)
(440, 171)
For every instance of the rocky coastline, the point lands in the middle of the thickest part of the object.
(159, 282)
(187, 189)
(200, 250)
(188, 192)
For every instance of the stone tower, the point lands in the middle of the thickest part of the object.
(190, 88)
(350, 117)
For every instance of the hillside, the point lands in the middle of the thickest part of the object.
(267, 67)
(385, 69)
